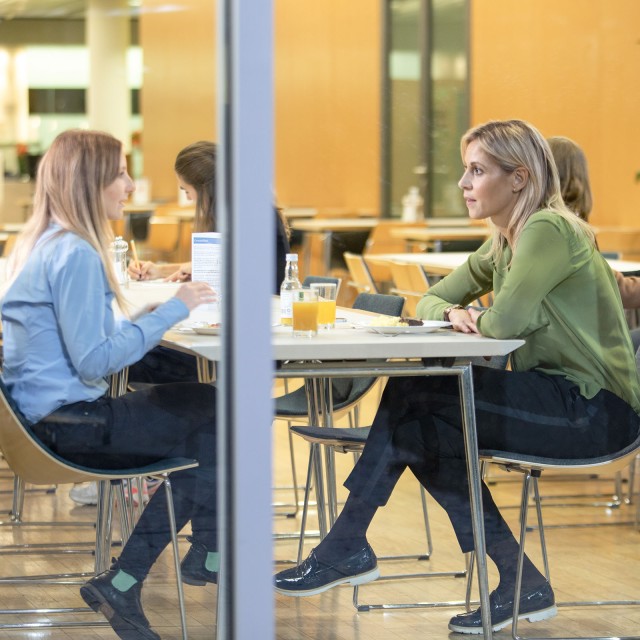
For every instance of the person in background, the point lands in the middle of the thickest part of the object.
(62, 339)
(575, 186)
(573, 386)
(195, 169)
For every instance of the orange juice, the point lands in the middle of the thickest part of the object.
(326, 312)
(305, 316)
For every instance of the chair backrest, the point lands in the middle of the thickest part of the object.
(360, 277)
(25, 456)
(9, 243)
(379, 303)
(309, 280)
(409, 281)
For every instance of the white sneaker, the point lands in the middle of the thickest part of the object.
(85, 494)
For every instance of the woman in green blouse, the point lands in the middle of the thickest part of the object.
(573, 388)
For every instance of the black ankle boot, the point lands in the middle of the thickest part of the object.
(193, 568)
(123, 609)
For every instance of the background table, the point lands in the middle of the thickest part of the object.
(443, 263)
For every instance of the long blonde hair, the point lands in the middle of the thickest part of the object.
(513, 144)
(70, 182)
(573, 173)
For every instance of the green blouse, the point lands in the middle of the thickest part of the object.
(560, 295)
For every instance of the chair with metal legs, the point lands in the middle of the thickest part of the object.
(532, 468)
(345, 440)
(32, 462)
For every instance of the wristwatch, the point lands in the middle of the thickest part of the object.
(448, 310)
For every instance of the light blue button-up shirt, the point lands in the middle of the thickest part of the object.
(61, 336)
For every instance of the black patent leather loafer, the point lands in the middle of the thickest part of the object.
(123, 610)
(313, 577)
(535, 606)
(193, 568)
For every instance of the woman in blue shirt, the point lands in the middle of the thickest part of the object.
(61, 341)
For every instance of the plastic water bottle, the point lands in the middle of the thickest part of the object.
(412, 204)
(119, 248)
(290, 283)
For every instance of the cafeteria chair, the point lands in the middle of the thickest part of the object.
(352, 440)
(532, 468)
(293, 406)
(359, 275)
(409, 281)
(309, 280)
(35, 464)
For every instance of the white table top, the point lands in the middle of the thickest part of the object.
(442, 263)
(348, 343)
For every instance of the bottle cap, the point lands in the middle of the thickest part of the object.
(292, 257)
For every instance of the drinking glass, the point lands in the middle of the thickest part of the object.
(326, 304)
(305, 313)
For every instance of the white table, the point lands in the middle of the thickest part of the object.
(443, 263)
(429, 354)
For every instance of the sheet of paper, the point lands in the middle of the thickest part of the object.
(206, 265)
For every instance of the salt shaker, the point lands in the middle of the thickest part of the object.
(119, 248)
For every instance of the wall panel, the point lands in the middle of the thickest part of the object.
(571, 68)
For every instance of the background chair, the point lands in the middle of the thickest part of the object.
(293, 405)
(359, 276)
(32, 462)
(409, 281)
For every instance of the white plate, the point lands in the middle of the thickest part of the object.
(428, 326)
(207, 331)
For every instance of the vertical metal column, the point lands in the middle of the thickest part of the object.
(245, 209)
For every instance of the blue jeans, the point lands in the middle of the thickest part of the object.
(163, 421)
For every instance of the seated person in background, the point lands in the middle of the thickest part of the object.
(195, 168)
(61, 341)
(576, 193)
(573, 389)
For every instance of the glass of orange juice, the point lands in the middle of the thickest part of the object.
(305, 313)
(326, 304)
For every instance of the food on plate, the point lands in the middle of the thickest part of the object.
(394, 321)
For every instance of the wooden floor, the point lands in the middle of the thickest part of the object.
(587, 562)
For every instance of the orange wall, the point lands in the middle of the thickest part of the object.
(178, 95)
(327, 97)
(572, 68)
(327, 69)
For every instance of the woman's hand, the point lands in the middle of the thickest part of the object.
(183, 274)
(193, 294)
(144, 270)
(464, 320)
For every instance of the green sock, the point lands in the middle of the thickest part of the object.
(212, 563)
(123, 581)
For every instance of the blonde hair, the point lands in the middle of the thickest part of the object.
(514, 144)
(70, 182)
(573, 172)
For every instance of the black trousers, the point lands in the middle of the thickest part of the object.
(171, 420)
(419, 425)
